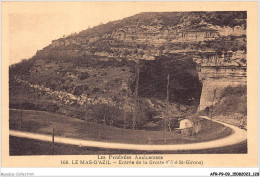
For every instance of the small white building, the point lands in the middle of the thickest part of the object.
(185, 123)
(189, 126)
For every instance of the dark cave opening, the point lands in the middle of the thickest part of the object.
(184, 84)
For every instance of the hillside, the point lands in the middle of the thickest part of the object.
(96, 69)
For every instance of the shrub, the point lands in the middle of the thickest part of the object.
(80, 89)
(80, 114)
(106, 114)
(52, 107)
(28, 106)
(96, 89)
(236, 91)
(41, 106)
(84, 75)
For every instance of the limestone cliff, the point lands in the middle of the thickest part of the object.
(203, 52)
(215, 80)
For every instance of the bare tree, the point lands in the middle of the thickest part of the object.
(136, 96)
(168, 123)
(212, 102)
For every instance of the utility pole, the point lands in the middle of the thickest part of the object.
(136, 96)
(21, 112)
(52, 147)
(97, 116)
(36, 101)
(212, 102)
(167, 105)
(125, 113)
(105, 115)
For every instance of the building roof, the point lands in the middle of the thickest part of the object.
(194, 118)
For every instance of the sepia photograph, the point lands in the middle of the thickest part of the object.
(143, 83)
(174, 79)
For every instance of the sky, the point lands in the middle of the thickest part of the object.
(32, 30)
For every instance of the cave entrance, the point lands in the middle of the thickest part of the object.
(206, 111)
(185, 86)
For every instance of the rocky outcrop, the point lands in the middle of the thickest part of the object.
(216, 79)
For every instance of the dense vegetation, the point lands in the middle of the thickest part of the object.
(233, 100)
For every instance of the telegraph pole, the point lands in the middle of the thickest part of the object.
(136, 96)
(212, 102)
(125, 113)
(105, 115)
(167, 105)
(21, 112)
(52, 147)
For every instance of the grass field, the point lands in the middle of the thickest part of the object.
(44, 122)
(23, 146)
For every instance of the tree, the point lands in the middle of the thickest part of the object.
(212, 102)
(136, 96)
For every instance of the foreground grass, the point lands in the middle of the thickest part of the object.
(44, 122)
(23, 146)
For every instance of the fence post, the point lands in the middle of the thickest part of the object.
(52, 149)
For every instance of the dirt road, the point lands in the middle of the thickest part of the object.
(238, 135)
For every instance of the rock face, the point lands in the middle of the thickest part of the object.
(215, 80)
(203, 52)
(147, 35)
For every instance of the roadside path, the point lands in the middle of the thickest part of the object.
(238, 135)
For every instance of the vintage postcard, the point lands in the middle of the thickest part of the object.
(129, 84)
